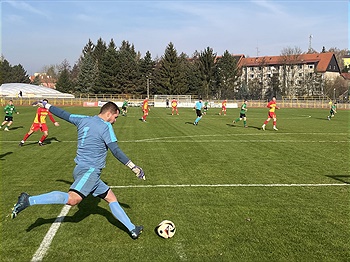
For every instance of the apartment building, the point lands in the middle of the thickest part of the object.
(295, 75)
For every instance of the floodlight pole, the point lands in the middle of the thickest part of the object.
(147, 86)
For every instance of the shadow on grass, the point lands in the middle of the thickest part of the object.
(50, 139)
(3, 155)
(342, 178)
(89, 206)
(15, 127)
(46, 142)
(241, 126)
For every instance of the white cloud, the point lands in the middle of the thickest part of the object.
(24, 6)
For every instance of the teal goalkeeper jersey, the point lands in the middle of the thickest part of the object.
(243, 108)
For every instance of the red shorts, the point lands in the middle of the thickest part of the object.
(272, 115)
(37, 126)
(224, 108)
(145, 112)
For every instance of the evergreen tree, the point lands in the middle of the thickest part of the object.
(74, 77)
(64, 83)
(243, 92)
(146, 69)
(86, 78)
(126, 68)
(194, 77)
(13, 74)
(99, 51)
(227, 76)
(207, 68)
(107, 74)
(169, 77)
(182, 86)
(5, 72)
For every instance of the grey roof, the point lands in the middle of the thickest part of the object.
(29, 91)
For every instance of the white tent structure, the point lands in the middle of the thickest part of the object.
(30, 91)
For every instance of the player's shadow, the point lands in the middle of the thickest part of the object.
(241, 126)
(321, 118)
(50, 139)
(342, 178)
(186, 123)
(3, 155)
(89, 206)
(16, 127)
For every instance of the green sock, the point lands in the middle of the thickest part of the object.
(245, 123)
(238, 119)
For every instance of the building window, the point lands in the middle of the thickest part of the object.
(251, 75)
(311, 66)
(300, 74)
(300, 66)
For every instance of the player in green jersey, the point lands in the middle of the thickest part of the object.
(242, 115)
(125, 107)
(9, 110)
(332, 111)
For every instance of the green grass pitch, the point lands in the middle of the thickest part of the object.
(234, 193)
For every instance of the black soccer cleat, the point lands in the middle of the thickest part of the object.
(22, 203)
(136, 232)
(21, 143)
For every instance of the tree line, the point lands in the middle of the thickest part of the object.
(108, 69)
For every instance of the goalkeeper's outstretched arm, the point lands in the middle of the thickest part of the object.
(119, 154)
(56, 111)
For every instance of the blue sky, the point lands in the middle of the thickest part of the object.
(40, 33)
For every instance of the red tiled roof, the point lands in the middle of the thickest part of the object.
(346, 76)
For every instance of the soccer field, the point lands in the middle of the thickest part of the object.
(234, 193)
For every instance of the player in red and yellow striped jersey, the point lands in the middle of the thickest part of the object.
(40, 123)
(223, 107)
(174, 107)
(145, 109)
(271, 114)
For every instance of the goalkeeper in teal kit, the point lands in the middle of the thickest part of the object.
(95, 137)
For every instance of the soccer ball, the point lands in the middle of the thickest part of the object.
(166, 229)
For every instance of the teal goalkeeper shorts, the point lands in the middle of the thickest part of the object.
(87, 181)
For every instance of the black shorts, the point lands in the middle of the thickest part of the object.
(124, 108)
(199, 112)
(241, 115)
(8, 118)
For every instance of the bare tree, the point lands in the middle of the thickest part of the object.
(289, 57)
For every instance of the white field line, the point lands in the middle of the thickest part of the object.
(45, 244)
(217, 141)
(233, 185)
(182, 139)
(220, 141)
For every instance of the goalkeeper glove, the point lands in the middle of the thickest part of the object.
(136, 169)
(41, 103)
